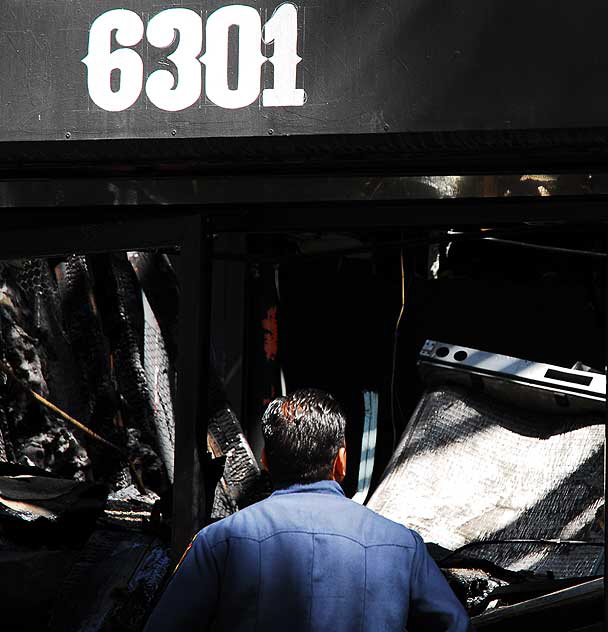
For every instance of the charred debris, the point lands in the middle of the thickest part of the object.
(85, 523)
(87, 391)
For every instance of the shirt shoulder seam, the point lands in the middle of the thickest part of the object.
(311, 532)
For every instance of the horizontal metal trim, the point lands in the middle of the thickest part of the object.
(566, 390)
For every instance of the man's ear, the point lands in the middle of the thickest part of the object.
(340, 465)
(264, 460)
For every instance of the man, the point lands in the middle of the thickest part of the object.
(307, 558)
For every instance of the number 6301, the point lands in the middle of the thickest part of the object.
(173, 93)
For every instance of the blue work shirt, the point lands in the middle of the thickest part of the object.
(308, 559)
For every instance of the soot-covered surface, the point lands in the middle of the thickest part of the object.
(84, 523)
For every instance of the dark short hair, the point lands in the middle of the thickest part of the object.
(302, 433)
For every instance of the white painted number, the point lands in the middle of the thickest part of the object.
(163, 89)
(101, 62)
(250, 57)
(282, 29)
(174, 91)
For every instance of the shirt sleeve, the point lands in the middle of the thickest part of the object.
(433, 604)
(190, 600)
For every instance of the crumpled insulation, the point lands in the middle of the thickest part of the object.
(468, 469)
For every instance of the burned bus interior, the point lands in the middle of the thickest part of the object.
(459, 320)
(205, 205)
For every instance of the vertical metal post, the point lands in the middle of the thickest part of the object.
(228, 309)
(192, 383)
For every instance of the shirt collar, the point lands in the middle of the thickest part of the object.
(320, 487)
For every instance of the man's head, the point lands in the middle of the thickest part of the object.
(304, 438)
